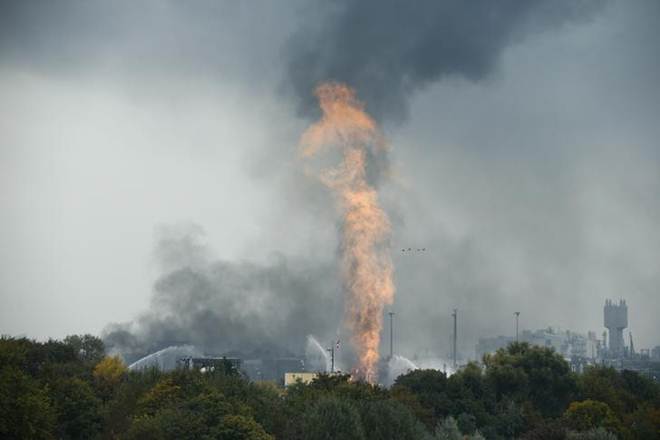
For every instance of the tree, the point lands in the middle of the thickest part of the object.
(87, 348)
(110, 369)
(389, 420)
(25, 410)
(330, 418)
(108, 373)
(448, 430)
(590, 414)
(593, 434)
(77, 409)
(168, 424)
(604, 385)
(546, 430)
(537, 374)
(430, 389)
(645, 422)
(235, 427)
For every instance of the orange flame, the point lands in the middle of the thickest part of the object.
(366, 264)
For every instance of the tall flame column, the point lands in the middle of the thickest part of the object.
(366, 264)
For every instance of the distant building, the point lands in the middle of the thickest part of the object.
(304, 377)
(210, 363)
(575, 347)
(583, 350)
(272, 369)
(492, 344)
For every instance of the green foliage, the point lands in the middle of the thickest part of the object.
(77, 408)
(25, 409)
(537, 374)
(593, 434)
(546, 430)
(389, 420)
(449, 430)
(331, 418)
(645, 423)
(167, 424)
(69, 390)
(87, 348)
(590, 414)
(426, 394)
(108, 373)
(240, 428)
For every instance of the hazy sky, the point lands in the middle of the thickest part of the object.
(524, 142)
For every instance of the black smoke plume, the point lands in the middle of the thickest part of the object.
(239, 307)
(388, 49)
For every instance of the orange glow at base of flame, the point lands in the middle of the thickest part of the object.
(366, 264)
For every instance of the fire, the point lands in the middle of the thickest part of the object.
(366, 264)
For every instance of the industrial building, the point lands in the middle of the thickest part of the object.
(210, 363)
(272, 370)
(581, 350)
(303, 377)
(571, 345)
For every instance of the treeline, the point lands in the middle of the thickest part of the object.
(71, 390)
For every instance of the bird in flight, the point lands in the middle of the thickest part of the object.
(413, 250)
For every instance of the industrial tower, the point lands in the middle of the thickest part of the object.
(616, 319)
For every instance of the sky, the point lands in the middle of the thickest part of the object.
(151, 190)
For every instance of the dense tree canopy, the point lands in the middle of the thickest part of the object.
(72, 390)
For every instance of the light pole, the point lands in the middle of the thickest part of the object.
(517, 316)
(391, 334)
(332, 358)
(454, 315)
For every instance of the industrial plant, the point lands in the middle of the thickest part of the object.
(582, 350)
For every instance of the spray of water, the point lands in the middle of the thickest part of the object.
(316, 355)
(165, 359)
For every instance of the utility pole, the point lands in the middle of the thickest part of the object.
(391, 334)
(453, 354)
(517, 316)
(332, 357)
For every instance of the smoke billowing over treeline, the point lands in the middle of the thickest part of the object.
(251, 309)
(386, 51)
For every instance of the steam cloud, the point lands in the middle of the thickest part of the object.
(388, 49)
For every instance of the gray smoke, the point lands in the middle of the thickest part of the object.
(389, 49)
(220, 306)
